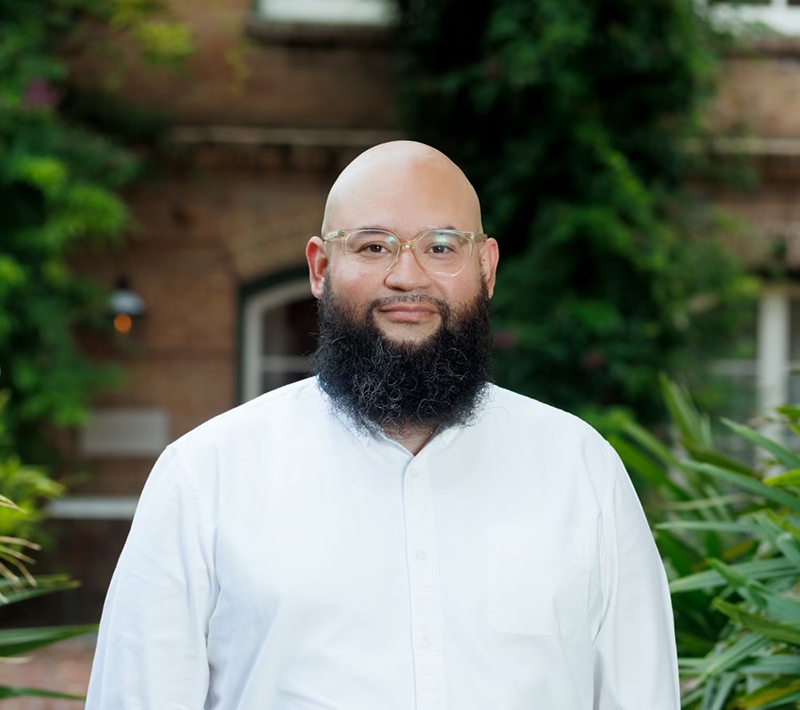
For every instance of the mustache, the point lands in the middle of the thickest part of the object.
(440, 303)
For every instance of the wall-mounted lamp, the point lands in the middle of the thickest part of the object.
(125, 305)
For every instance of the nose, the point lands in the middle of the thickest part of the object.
(406, 274)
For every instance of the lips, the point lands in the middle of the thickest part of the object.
(409, 308)
(409, 312)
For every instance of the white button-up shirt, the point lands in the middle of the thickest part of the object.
(280, 561)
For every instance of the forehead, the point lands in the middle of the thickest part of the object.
(403, 193)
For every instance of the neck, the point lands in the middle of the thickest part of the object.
(411, 438)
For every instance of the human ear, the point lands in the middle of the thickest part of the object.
(317, 259)
(489, 256)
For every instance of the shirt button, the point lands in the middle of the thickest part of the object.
(422, 555)
(415, 472)
(426, 642)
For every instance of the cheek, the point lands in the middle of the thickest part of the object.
(352, 288)
(464, 288)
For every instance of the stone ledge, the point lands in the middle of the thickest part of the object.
(218, 135)
(771, 46)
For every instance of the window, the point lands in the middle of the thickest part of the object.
(761, 372)
(377, 13)
(781, 16)
(278, 326)
(770, 376)
(731, 388)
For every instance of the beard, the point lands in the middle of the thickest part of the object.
(384, 385)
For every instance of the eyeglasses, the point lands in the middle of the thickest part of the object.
(439, 252)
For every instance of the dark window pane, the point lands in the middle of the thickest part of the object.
(273, 380)
(288, 330)
(794, 329)
(302, 317)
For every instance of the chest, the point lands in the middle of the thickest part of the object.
(371, 538)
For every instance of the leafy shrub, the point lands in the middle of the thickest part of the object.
(729, 534)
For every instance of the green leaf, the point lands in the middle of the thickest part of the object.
(790, 478)
(14, 642)
(649, 443)
(694, 428)
(784, 535)
(757, 569)
(742, 527)
(775, 630)
(10, 691)
(727, 658)
(682, 556)
(718, 693)
(781, 607)
(8, 503)
(46, 173)
(789, 411)
(752, 485)
(784, 455)
(778, 692)
(44, 585)
(706, 455)
(780, 664)
(705, 504)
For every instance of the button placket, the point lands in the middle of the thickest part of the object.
(424, 589)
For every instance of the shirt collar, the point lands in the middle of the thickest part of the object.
(441, 438)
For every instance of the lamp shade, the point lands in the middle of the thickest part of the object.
(125, 301)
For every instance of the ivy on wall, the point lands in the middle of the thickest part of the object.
(63, 162)
(569, 117)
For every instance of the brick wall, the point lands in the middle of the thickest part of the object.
(241, 75)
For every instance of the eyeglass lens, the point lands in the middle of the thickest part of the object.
(438, 252)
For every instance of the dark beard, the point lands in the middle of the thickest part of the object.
(387, 386)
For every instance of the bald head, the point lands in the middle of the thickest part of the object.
(402, 185)
(406, 188)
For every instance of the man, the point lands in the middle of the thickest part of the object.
(395, 533)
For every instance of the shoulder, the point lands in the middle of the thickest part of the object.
(519, 411)
(285, 409)
(550, 438)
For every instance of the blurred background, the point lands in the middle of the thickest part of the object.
(164, 162)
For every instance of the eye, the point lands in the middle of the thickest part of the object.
(441, 248)
(374, 248)
(441, 245)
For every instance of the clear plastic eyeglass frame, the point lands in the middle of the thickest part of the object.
(399, 246)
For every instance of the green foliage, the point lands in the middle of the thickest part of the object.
(62, 164)
(59, 178)
(17, 584)
(15, 642)
(26, 485)
(730, 539)
(57, 183)
(568, 116)
(60, 171)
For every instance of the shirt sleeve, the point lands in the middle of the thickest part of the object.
(151, 650)
(635, 657)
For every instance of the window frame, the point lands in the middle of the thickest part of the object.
(339, 13)
(254, 302)
(778, 16)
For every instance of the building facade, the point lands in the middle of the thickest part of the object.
(278, 97)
